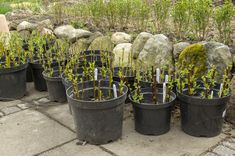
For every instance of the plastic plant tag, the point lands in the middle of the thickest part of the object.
(212, 94)
(166, 78)
(164, 93)
(96, 74)
(114, 91)
(158, 73)
(224, 113)
(221, 89)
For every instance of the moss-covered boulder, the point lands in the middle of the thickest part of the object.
(204, 55)
(102, 43)
(194, 54)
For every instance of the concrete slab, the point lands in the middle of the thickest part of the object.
(60, 113)
(29, 132)
(9, 103)
(10, 110)
(33, 94)
(222, 150)
(173, 143)
(71, 149)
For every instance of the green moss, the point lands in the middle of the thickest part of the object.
(194, 54)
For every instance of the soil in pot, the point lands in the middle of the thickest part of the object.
(202, 117)
(97, 122)
(13, 82)
(55, 87)
(150, 118)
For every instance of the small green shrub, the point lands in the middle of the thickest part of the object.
(201, 13)
(223, 16)
(181, 17)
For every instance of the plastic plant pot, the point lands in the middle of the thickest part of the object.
(150, 118)
(128, 76)
(95, 55)
(97, 122)
(29, 74)
(55, 87)
(202, 117)
(38, 79)
(13, 82)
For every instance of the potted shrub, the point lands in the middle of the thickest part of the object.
(97, 108)
(86, 72)
(38, 45)
(13, 65)
(152, 106)
(203, 106)
(52, 75)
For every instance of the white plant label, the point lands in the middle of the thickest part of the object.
(212, 94)
(158, 73)
(224, 113)
(164, 93)
(96, 74)
(166, 78)
(221, 89)
(114, 91)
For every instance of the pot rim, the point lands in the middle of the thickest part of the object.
(69, 93)
(14, 69)
(198, 98)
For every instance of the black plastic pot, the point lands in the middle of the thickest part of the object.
(29, 74)
(129, 78)
(38, 79)
(202, 117)
(13, 82)
(95, 55)
(97, 122)
(55, 87)
(152, 119)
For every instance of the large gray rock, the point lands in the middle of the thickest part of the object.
(121, 37)
(102, 43)
(79, 45)
(118, 51)
(178, 48)
(157, 52)
(26, 26)
(218, 54)
(68, 31)
(139, 43)
(46, 24)
(64, 31)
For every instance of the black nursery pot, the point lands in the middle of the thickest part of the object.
(152, 119)
(55, 87)
(95, 55)
(38, 79)
(129, 78)
(29, 74)
(97, 122)
(13, 82)
(202, 117)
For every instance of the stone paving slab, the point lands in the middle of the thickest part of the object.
(4, 104)
(71, 149)
(173, 143)
(224, 151)
(29, 132)
(33, 94)
(60, 113)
